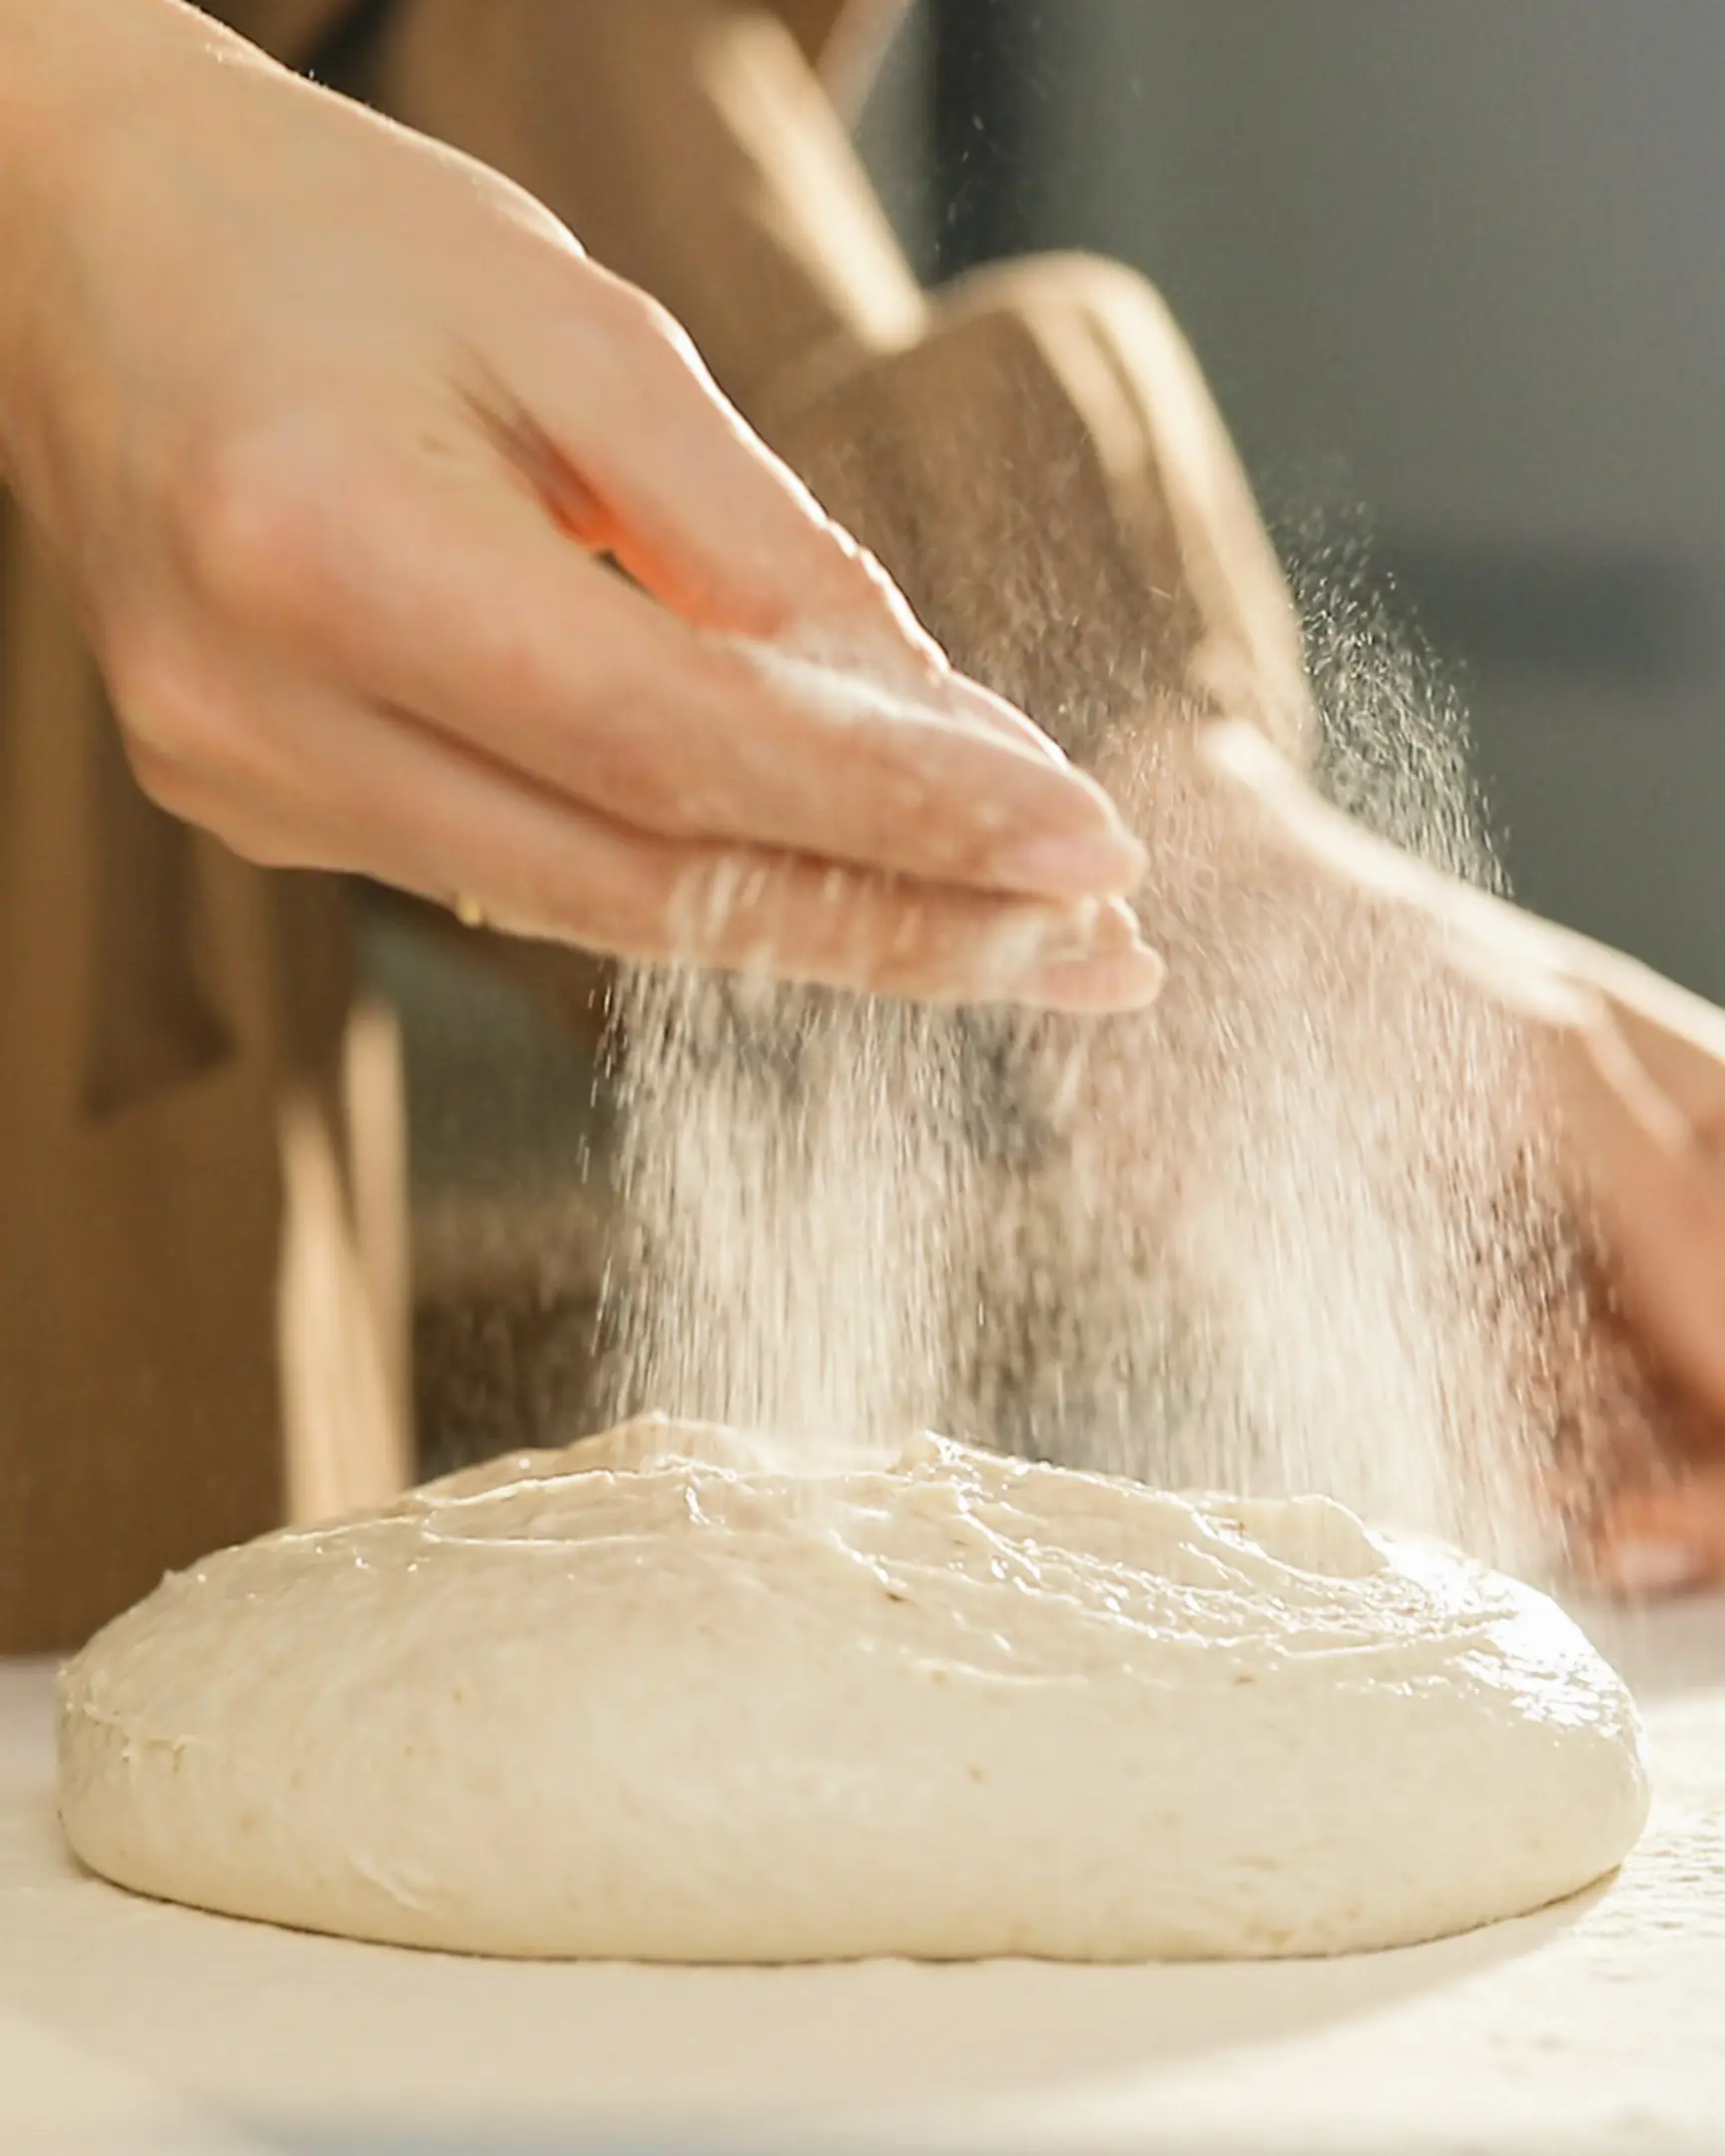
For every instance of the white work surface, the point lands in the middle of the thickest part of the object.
(125, 2025)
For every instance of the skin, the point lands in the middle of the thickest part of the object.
(329, 428)
(1635, 1070)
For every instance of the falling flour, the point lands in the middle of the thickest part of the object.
(814, 1684)
(1296, 1228)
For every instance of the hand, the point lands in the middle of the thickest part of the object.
(328, 428)
(1634, 1081)
(1642, 1087)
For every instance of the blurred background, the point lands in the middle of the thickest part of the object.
(1456, 275)
(1459, 270)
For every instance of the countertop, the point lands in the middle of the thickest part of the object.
(1598, 2025)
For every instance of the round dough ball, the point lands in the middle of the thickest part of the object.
(652, 1697)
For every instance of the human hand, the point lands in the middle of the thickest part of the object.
(1631, 1072)
(327, 427)
(1641, 1087)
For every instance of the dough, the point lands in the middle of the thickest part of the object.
(651, 1698)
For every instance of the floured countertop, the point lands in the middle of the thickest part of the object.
(1600, 2026)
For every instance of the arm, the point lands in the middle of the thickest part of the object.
(328, 428)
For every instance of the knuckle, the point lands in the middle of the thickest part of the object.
(256, 528)
(167, 782)
(639, 318)
(644, 333)
(171, 717)
(183, 792)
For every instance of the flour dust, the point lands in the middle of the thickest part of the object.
(1291, 1230)
(787, 1166)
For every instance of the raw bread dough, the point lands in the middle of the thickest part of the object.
(652, 1697)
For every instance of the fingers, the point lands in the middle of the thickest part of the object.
(1104, 982)
(379, 794)
(704, 515)
(696, 739)
(628, 425)
(462, 604)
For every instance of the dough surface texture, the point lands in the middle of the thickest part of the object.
(652, 1697)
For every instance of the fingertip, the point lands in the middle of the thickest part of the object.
(1106, 985)
(937, 792)
(964, 698)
